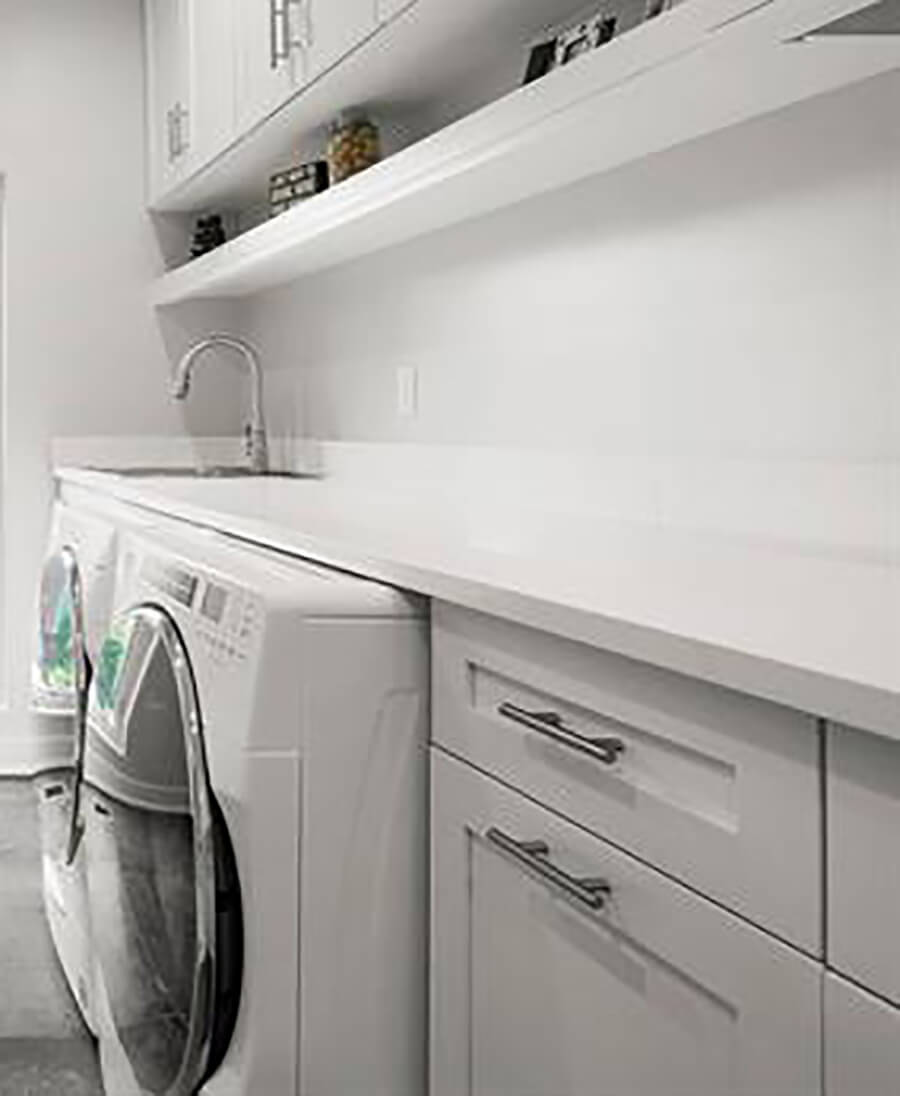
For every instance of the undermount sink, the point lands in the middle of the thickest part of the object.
(215, 471)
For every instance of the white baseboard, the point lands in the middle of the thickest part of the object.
(27, 756)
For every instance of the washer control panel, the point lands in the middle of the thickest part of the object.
(226, 617)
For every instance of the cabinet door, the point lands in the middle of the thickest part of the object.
(167, 78)
(544, 985)
(209, 124)
(385, 10)
(720, 790)
(269, 67)
(334, 28)
(862, 1042)
(863, 872)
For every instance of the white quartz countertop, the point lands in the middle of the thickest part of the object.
(819, 632)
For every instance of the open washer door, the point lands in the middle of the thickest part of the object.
(163, 889)
(59, 667)
(61, 673)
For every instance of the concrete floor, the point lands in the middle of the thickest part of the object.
(45, 1050)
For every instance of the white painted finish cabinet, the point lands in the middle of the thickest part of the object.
(718, 789)
(863, 861)
(211, 65)
(168, 92)
(862, 1042)
(336, 29)
(191, 88)
(271, 57)
(286, 44)
(385, 10)
(544, 984)
(218, 68)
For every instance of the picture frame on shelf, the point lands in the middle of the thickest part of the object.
(584, 37)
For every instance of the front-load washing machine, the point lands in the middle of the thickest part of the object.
(255, 806)
(74, 603)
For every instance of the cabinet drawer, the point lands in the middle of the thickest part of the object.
(718, 789)
(862, 1042)
(863, 865)
(544, 984)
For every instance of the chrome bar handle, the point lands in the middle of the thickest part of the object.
(280, 32)
(607, 749)
(534, 855)
(275, 57)
(82, 689)
(182, 129)
(295, 33)
(170, 134)
(307, 23)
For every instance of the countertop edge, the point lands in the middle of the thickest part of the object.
(842, 700)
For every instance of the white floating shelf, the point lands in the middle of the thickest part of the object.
(705, 66)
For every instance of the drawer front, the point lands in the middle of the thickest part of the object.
(718, 789)
(863, 863)
(862, 1042)
(544, 982)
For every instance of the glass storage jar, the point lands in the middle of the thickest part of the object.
(353, 145)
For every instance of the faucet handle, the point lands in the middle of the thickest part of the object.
(256, 448)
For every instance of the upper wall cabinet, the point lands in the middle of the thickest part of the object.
(168, 113)
(211, 69)
(218, 68)
(285, 44)
(334, 30)
(191, 116)
(385, 10)
(272, 56)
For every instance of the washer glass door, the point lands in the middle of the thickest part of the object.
(61, 675)
(60, 652)
(164, 900)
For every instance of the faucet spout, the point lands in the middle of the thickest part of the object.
(257, 443)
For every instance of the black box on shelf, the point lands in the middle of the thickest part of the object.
(296, 184)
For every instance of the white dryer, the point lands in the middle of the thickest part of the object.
(256, 828)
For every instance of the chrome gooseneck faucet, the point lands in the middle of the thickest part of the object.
(255, 432)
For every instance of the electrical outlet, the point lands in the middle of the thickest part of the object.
(407, 380)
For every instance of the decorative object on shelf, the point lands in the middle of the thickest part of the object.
(296, 184)
(209, 233)
(541, 60)
(585, 36)
(353, 145)
(657, 7)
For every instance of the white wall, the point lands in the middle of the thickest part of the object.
(730, 301)
(83, 353)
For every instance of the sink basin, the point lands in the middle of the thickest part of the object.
(213, 471)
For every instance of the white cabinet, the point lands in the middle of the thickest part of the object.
(271, 56)
(385, 10)
(285, 44)
(336, 29)
(863, 867)
(168, 115)
(190, 46)
(211, 77)
(862, 1042)
(720, 790)
(545, 983)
